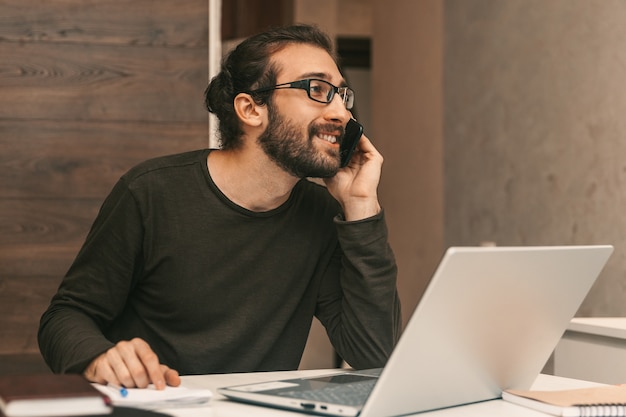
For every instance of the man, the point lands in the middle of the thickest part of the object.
(217, 261)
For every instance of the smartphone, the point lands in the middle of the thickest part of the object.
(353, 134)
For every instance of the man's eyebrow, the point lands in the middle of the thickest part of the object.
(322, 76)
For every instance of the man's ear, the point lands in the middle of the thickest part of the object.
(249, 112)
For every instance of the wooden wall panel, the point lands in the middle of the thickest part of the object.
(82, 159)
(21, 261)
(28, 222)
(82, 82)
(22, 301)
(89, 89)
(180, 23)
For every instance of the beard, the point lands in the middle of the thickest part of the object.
(283, 143)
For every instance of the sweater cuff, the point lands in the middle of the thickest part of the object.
(361, 232)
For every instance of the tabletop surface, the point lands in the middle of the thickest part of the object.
(222, 407)
(602, 326)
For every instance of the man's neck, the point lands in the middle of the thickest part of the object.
(250, 179)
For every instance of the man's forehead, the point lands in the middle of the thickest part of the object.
(300, 61)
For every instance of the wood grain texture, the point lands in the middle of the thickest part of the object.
(22, 301)
(89, 89)
(24, 295)
(51, 260)
(39, 222)
(181, 23)
(83, 82)
(83, 159)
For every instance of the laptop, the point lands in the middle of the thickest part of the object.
(488, 321)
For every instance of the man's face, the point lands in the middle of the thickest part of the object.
(302, 135)
(284, 142)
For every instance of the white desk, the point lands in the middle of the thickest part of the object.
(221, 407)
(593, 349)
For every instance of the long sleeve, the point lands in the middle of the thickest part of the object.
(95, 288)
(362, 315)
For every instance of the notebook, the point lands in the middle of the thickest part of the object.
(50, 395)
(488, 321)
(606, 400)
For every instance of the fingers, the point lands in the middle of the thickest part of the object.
(171, 376)
(355, 186)
(97, 371)
(365, 152)
(131, 364)
(365, 142)
(143, 364)
(368, 149)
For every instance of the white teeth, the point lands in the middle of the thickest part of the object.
(328, 138)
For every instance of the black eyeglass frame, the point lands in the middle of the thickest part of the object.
(346, 93)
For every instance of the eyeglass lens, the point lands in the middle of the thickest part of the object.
(324, 92)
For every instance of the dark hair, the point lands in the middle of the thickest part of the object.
(248, 67)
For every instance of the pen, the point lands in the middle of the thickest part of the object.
(121, 389)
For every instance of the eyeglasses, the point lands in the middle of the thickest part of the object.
(317, 90)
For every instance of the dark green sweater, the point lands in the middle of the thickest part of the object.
(213, 287)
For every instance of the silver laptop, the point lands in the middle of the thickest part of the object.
(488, 321)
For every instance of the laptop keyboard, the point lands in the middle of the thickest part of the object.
(353, 394)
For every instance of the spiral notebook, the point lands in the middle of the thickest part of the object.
(607, 401)
(488, 321)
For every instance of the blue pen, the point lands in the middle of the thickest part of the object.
(121, 389)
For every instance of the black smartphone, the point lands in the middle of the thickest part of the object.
(353, 134)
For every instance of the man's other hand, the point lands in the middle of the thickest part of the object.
(132, 364)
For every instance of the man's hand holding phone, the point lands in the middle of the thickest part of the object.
(355, 185)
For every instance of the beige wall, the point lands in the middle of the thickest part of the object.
(336, 17)
(407, 123)
(502, 121)
(535, 147)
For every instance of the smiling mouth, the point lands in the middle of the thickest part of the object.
(327, 138)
